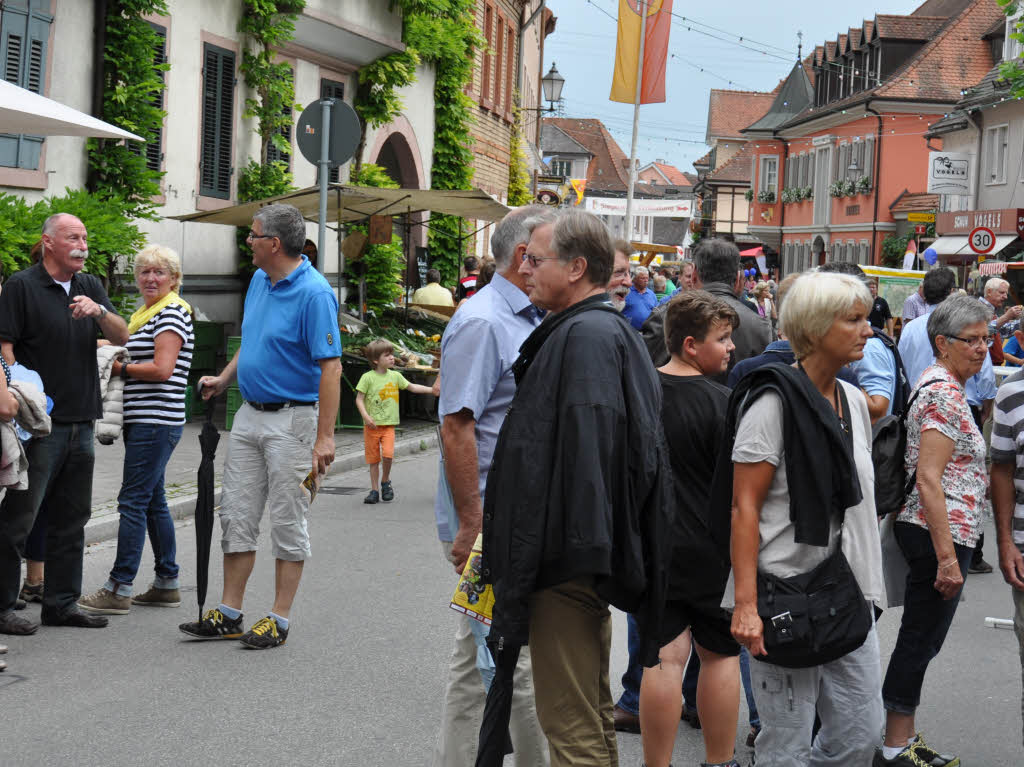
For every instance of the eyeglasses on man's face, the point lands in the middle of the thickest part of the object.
(977, 342)
(253, 236)
(535, 260)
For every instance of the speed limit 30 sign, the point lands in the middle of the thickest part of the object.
(981, 240)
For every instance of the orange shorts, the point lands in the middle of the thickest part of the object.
(378, 441)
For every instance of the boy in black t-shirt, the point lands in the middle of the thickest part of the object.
(698, 335)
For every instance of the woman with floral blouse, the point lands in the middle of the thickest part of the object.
(938, 527)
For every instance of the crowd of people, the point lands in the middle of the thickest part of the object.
(612, 443)
(666, 442)
(106, 378)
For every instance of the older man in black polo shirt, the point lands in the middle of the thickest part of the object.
(49, 318)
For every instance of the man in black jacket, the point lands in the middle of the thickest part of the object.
(718, 272)
(576, 495)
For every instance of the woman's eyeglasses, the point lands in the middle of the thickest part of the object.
(978, 342)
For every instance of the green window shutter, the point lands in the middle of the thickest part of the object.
(331, 89)
(218, 109)
(23, 47)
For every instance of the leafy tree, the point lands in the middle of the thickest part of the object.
(1013, 70)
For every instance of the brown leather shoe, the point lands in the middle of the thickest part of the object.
(625, 721)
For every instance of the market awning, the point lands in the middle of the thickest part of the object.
(992, 267)
(355, 203)
(952, 244)
(22, 111)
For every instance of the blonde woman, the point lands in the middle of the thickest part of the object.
(160, 345)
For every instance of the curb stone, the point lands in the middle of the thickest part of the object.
(103, 524)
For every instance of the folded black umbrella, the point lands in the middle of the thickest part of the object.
(495, 741)
(208, 439)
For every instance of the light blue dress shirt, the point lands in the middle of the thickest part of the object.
(479, 346)
(876, 371)
(916, 351)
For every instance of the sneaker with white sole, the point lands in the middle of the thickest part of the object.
(105, 602)
(158, 598)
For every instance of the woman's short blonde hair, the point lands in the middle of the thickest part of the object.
(814, 302)
(760, 287)
(163, 257)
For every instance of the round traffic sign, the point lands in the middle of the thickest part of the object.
(344, 132)
(982, 240)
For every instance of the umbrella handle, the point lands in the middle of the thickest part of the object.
(209, 403)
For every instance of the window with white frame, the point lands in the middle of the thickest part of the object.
(995, 154)
(1012, 49)
(561, 167)
(864, 252)
(768, 178)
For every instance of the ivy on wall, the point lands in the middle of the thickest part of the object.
(518, 176)
(266, 24)
(381, 265)
(440, 32)
(131, 79)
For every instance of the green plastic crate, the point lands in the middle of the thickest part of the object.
(234, 402)
(208, 335)
(204, 359)
(234, 342)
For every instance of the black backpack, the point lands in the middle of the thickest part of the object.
(888, 454)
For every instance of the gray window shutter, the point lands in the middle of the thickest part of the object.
(154, 149)
(218, 109)
(273, 153)
(869, 156)
(23, 47)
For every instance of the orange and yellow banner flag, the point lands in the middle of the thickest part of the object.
(627, 51)
(579, 186)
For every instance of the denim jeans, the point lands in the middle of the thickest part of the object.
(60, 470)
(630, 698)
(143, 506)
(926, 618)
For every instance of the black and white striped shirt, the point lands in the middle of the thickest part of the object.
(160, 402)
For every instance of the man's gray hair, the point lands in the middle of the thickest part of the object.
(994, 283)
(515, 230)
(578, 234)
(641, 270)
(286, 223)
(954, 314)
(50, 224)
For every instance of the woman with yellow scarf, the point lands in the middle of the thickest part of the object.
(160, 347)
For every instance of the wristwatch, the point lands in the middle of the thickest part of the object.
(103, 311)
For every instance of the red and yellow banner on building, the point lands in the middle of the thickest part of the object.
(627, 51)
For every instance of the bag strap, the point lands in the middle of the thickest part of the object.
(903, 419)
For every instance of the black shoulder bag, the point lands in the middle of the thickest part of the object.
(814, 617)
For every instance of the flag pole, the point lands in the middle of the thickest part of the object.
(642, 5)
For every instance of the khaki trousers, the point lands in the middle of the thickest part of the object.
(570, 645)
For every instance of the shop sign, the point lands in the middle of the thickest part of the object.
(1000, 221)
(949, 173)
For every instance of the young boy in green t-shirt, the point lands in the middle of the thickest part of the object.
(377, 401)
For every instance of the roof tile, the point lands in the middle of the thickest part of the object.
(737, 169)
(908, 27)
(954, 59)
(916, 201)
(731, 111)
(609, 166)
(673, 174)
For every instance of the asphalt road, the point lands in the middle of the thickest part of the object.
(361, 678)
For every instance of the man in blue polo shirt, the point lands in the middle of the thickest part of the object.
(289, 373)
(641, 299)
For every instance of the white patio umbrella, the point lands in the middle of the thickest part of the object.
(22, 111)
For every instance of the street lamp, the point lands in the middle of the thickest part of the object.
(551, 84)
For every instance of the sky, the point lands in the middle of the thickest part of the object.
(583, 47)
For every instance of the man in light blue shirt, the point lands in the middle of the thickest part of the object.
(877, 374)
(477, 351)
(916, 349)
